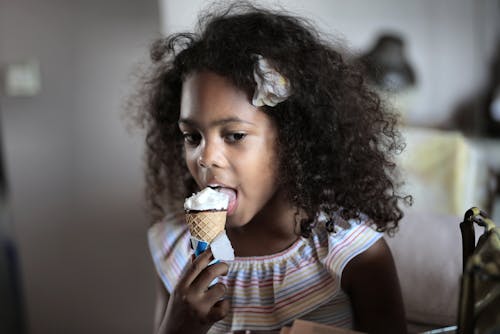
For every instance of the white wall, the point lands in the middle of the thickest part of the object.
(75, 174)
(449, 42)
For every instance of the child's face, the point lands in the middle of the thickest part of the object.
(229, 143)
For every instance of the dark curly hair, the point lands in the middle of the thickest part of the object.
(336, 139)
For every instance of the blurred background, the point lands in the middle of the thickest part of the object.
(73, 251)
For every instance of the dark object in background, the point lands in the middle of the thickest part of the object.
(11, 315)
(479, 115)
(386, 64)
(480, 291)
(11, 300)
(491, 108)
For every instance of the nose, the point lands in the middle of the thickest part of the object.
(210, 155)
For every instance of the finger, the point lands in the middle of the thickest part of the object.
(214, 293)
(200, 263)
(219, 311)
(203, 280)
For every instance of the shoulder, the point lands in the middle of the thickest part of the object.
(376, 259)
(350, 239)
(167, 230)
(168, 242)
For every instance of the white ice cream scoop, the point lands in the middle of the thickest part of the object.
(207, 199)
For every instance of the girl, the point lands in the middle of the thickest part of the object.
(257, 103)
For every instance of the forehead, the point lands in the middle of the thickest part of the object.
(207, 95)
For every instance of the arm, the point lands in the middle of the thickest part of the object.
(371, 281)
(162, 297)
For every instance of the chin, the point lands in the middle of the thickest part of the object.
(236, 220)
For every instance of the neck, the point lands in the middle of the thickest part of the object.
(272, 230)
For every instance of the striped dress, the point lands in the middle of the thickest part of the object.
(269, 292)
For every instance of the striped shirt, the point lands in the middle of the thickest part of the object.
(269, 292)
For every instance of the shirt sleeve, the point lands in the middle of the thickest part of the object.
(346, 243)
(169, 247)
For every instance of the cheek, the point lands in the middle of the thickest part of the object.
(270, 160)
(262, 166)
(191, 163)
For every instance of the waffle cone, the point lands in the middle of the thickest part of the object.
(206, 225)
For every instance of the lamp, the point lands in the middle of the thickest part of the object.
(386, 64)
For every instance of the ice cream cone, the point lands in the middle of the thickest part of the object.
(206, 225)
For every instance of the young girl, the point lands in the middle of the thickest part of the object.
(257, 103)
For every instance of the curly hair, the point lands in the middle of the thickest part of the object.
(336, 139)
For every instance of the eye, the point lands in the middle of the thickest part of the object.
(192, 139)
(235, 137)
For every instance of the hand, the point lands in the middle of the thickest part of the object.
(193, 307)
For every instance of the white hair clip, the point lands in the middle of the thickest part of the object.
(272, 88)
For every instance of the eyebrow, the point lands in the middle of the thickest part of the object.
(222, 121)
